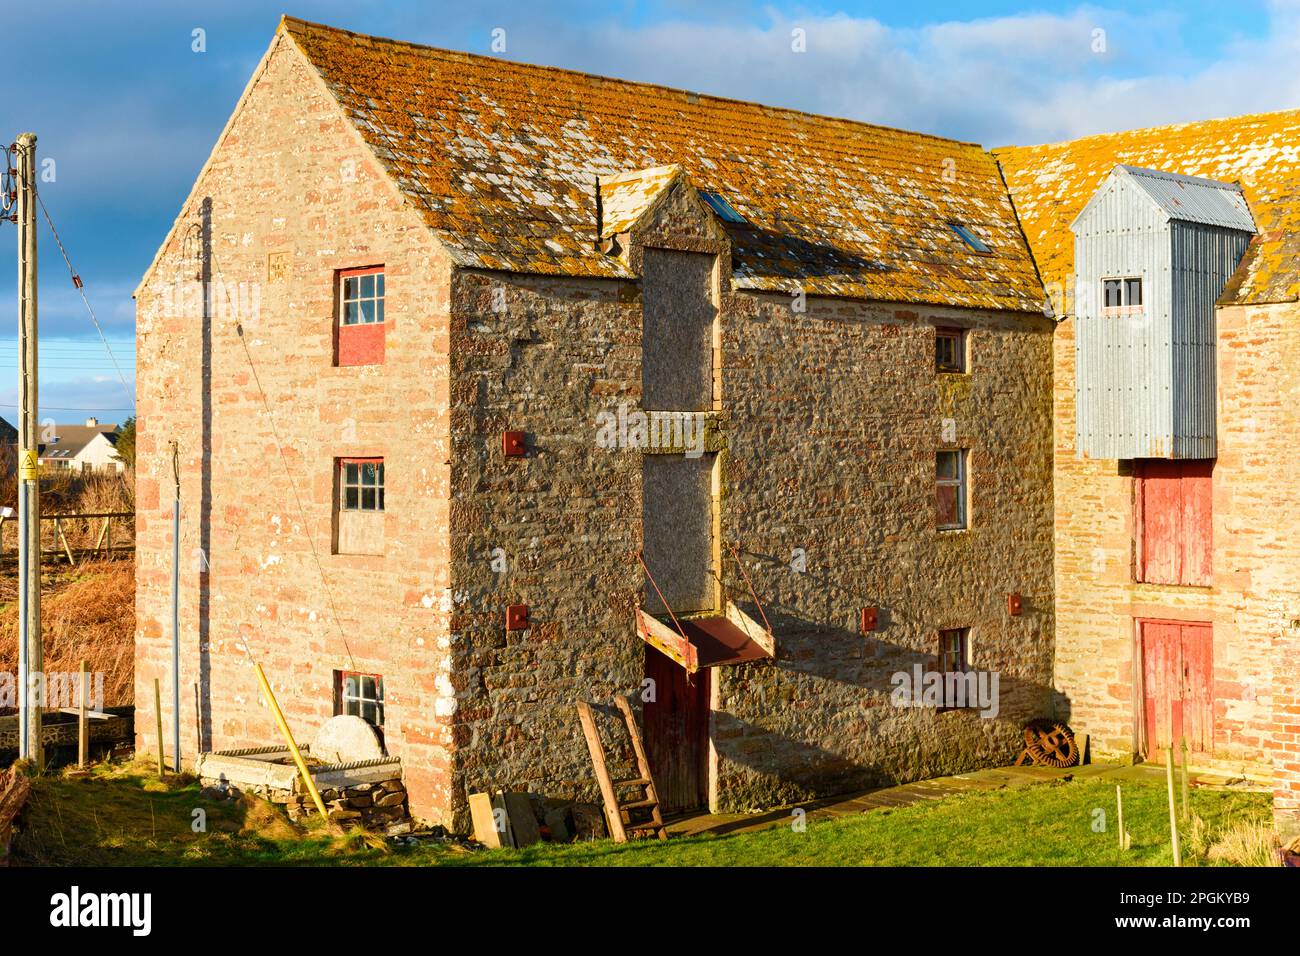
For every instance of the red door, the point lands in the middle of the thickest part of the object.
(1175, 508)
(676, 731)
(1178, 681)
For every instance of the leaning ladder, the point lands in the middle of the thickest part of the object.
(643, 793)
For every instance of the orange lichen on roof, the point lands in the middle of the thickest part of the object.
(502, 160)
(625, 198)
(1050, 184)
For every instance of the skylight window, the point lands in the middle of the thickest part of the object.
(726, 212)
(975, 242)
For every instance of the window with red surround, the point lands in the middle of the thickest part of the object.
(360, 695)
(359, 326)
(1174, 518)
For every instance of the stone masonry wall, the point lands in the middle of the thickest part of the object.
(1253, 598)
(831, 418)
(294, 196)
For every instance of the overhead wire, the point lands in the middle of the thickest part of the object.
(79, 285)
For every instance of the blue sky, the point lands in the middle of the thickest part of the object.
(128, 111)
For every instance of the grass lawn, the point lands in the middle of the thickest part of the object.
(122, 816)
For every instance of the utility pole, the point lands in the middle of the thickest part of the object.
(31, 655)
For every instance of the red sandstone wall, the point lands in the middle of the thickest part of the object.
(294, 196)
(1255, 580)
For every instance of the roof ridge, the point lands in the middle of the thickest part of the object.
(1153, 173)
(1164, 127)
(788, 110)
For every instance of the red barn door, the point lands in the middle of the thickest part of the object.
(1175, 512)
(676, 731)
(1178, 680)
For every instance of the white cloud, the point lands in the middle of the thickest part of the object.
(1017, 79)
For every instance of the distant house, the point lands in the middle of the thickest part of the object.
(88, 447)
(8, 434)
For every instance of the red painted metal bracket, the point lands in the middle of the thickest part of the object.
(517, 617)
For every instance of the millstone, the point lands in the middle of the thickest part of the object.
(345, 739)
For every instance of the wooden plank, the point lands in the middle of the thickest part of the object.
(483, 819)
(597, 751)
(83, 733)
(89, 514)
(523, 822)
(667, 641)
(92, 714)
(1161, 672)
(1198, 686)
(67, 548)
(1197, 522)
(1161, 490)
(752, 629)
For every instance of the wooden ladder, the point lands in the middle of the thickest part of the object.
(644, 795)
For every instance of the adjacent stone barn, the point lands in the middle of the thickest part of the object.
(494, 388)
(1204, 634)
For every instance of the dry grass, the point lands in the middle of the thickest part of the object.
(87, 612)
(1246, 844)
(71, 493)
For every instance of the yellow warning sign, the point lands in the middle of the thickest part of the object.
(29, 467)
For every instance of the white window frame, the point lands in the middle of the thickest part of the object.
(374, 299)
(360, 485)
(960, 482)
(355, 704)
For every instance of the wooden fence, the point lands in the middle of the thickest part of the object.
(75, 537)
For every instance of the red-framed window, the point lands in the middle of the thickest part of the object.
(359, 327)
(360, 695)
(1174, 518)
(361, 484)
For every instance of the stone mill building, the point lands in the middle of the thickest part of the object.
(497, 387)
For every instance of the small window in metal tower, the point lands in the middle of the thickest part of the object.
(1122, 296)
(726, 212)
(1133, 291)
(976, 244)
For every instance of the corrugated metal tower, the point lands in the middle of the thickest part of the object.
(1152, 254)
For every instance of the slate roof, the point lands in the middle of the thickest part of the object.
(501, 159)
(1051, 183)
